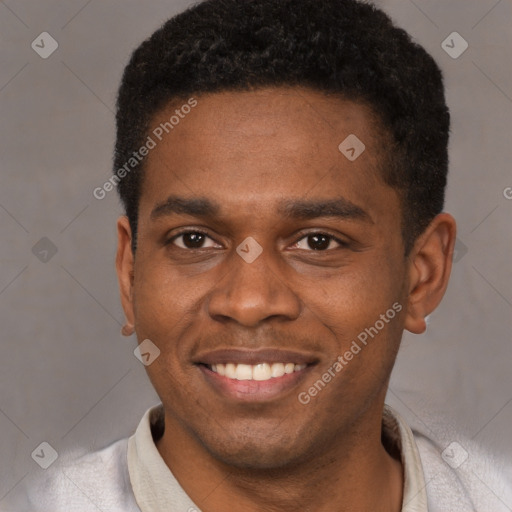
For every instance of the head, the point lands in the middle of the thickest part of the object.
(347, 49)
(263, 93)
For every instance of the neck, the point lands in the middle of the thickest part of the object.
(356, 473)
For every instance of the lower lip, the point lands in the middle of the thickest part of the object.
(254, 390)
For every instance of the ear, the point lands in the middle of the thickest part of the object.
(429, 270)
(124, 267)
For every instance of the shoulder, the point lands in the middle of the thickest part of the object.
(463, 476)
(91, 482)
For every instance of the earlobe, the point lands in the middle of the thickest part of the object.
(415, 321)
(429, 271)
(127, 329)
(125, 272)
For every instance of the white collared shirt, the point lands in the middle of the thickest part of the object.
(131, 476)
(156, 489)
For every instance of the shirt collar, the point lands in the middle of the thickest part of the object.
(157, 490)
(399, 436)
(154, 486)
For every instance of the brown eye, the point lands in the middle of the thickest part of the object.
(191, 240)
(318, 242)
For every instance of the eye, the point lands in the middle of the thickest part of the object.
(195, 239)
(191, 239)
(318, 242)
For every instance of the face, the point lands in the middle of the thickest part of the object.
(264, 252)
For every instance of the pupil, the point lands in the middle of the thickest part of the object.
(319, 242)
(316, 242)
(193, 240)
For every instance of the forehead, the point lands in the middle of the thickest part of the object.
(246, 149)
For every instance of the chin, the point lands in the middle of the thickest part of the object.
(256, 458)
(256, 450)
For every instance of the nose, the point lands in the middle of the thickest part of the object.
(252, 293)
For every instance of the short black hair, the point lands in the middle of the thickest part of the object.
(348, 48)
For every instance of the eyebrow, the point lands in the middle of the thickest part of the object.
(291, 208)
(199, 207)
(312, 209)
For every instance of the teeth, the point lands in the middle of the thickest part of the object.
(277, 370)
(230, 370)
(289, 367)
(261, 371)
(244, 372)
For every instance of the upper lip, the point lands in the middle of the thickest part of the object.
(269, 355)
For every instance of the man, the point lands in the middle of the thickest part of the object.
(282, 165)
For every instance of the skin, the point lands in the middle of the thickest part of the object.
(247, 151)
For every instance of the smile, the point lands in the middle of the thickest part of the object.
(264, 375)
(258, 372)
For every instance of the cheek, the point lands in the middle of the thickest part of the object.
(354, 297)
(169, 309)
(165, 313)
(364, 312)
(159, 291)
(375, 316)
(160, 304)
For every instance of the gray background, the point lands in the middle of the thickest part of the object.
(68, 377)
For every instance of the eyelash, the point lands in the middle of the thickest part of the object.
(342, 243)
